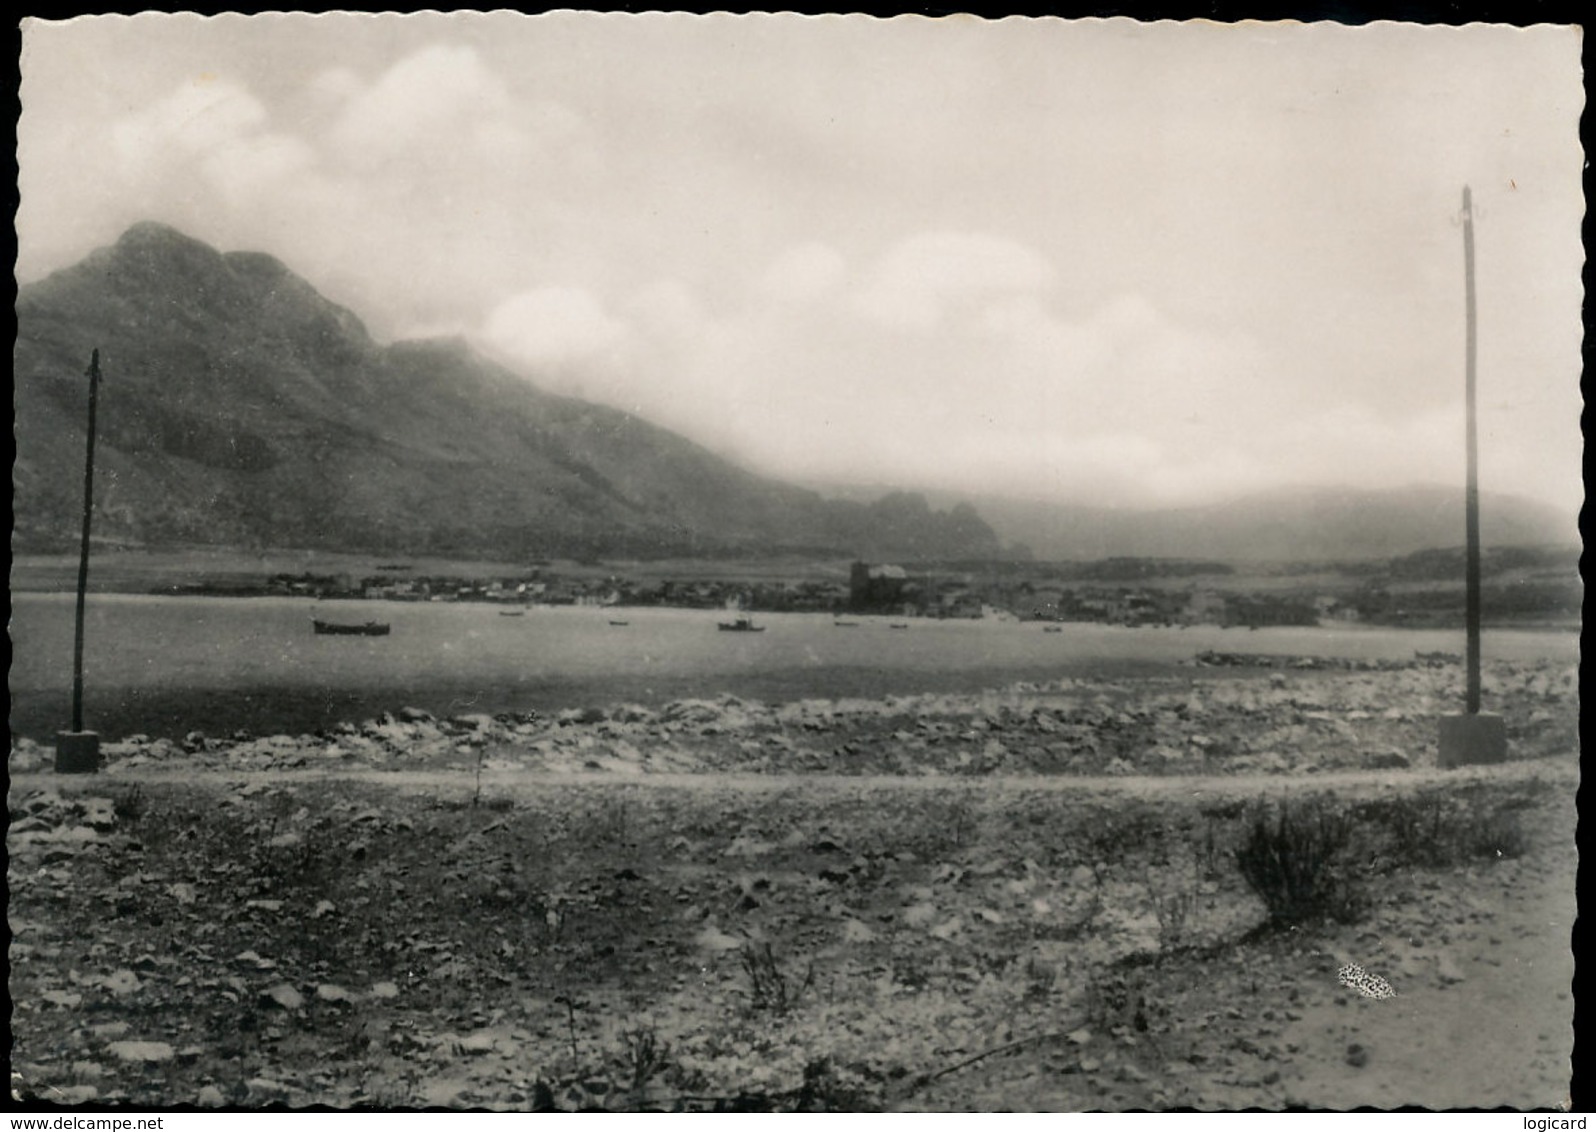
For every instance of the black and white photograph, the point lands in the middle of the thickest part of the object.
(665, 563)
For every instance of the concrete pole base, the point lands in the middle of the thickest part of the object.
(77, 752)
(1469, 740)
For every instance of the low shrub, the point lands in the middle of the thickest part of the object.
(643, 1056)
(769, 987)
(1117, 998)
(1436, 831)
(1496, 834)
(130, 805)
(1296, 860)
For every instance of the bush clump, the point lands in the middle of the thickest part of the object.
(1296, 860)
(1434, 831)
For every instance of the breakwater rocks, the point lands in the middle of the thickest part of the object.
(1295, 720)
(1211, 658)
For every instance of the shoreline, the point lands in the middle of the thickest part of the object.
(1163, 723)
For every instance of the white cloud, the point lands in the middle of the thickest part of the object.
(195, 118)
(336, 85)
(918, 281)
(210, 132)
(554, 326)
(873, 250)
(438, 94)
(804, 272)
(242, 167)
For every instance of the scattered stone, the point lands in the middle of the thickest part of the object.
(384, 990)
(122, 982)
(472, 721)
(1357, 1056)
(266, 1091)
(283, 995)
(331, 992)
(1386, 760)
(99, 813)
(480, 1042)
(209, 1096)
(853, 931)
(142, 1052)
(1447, 970)
(713, 939)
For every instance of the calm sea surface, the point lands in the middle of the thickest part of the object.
(168, 665)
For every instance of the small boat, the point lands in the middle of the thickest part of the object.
(741, 625)
(846, 624)
(512, 613)
(620, 622)
(338, 629)
(898, 625)
(1052, 628)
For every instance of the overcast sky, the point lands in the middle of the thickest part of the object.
(1097, 260)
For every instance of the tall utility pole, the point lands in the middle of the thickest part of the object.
(83, 554)
(1473, 737)
(1471, 494)
(78, 751)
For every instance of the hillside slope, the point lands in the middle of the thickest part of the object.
(1289, 525)
(240, 407)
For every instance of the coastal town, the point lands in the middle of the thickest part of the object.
(1522, 587)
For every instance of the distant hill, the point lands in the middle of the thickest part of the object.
(241, 408)
(1314, 524)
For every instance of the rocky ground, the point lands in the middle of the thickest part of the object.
(407, 913)
(1296, 715)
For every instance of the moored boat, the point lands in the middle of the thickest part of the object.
(741, 625)
(339, 629)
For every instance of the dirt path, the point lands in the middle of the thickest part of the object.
(520, 783)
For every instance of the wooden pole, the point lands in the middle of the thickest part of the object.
(1471, 497)
(1475, 736)
(83, 556)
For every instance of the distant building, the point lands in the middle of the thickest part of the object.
(961, 603)
(1334, 609)
(1204, 608)
(880, 589)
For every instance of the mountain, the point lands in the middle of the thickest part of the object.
(239, 407)
(1298, 524)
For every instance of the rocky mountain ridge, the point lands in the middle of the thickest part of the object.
(239, 407)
